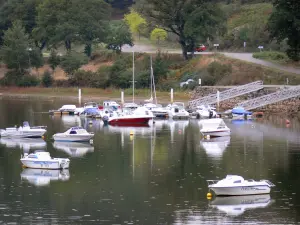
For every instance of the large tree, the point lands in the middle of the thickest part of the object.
(192, 21)
(285, 23)
(118, 35)
(18, 52)
(64, 21)
(23, 10)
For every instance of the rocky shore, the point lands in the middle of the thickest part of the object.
(289, 107)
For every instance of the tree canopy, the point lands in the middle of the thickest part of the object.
(285, 23)
(191, 21)
(158, 34)
(118, 36)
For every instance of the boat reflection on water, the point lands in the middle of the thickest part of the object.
(74, 149)
(237, 205)
(26, 144)
(42, 177)
(68, 121)
(216, 146)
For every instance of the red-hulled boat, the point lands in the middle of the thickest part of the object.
(139, 116)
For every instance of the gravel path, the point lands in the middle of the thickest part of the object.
(241, 56)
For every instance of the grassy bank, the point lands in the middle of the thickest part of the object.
(276, 57)
(94, 94)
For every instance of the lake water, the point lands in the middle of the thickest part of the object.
(156, 176)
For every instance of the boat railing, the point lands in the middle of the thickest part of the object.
(269, 183)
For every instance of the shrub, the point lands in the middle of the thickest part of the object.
(271, 55)
(47, 79)
(143, 79)
(54, 60)
(28, 81)
(166, 85)
(72, 61)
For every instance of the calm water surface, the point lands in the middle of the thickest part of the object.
(158, 176)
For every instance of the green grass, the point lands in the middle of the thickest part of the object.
(278, 57)
(252, 15)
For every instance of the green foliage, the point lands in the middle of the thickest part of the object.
(135, 21)
(166, 85)
(27, 81)
(285, 23)
(192, 21)
(158, 34)
(160, 68)
(54, 59)
(118, 36)
(72, 61)
(119, 74)
(143, 79)
(269, 55)
(17, 51)
(63, 21)
(47, 79)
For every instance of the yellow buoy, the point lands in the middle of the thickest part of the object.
(209, 195)
(43, 137)
(131, 133)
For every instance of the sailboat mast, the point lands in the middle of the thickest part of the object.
(153, 82)
(133, 77)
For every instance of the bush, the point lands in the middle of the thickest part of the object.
(143, 79)
(28, 81)
(10, 78)
(54, 60)
(166, 85)
(47, 79)
(276, 56)
(72, 61)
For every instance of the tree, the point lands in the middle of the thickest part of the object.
(64, 21)
(54, 60)
(284, 22)
(118, 36)
(72, 61)
(23, 10)
(135, 22)
(192, 21)
(18, 52)
(158, 34)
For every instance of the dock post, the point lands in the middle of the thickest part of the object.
(79, 96)
(122, 98)
(172, 96)
(218, 99)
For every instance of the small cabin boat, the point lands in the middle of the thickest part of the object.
(214, 128)
(74, 134)
(205, 112)
(237, 185)
(157, 110)
(177, 111)
(240, 113)
(65, 109)
(43, 160)
(24, 131)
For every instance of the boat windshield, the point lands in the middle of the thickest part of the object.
(222, 125)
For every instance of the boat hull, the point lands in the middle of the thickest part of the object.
(216, 133)
(73, 137)
(46, 164)
(129, 121)
(241, 190)
(23, 134)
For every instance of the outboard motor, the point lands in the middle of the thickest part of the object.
(105, 120)
(210, 114)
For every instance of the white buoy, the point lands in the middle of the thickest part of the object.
(207, 137)
(91, 141)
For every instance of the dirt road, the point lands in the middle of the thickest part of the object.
(241, 56)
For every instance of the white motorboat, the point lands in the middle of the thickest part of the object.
(214, 128)
(237, 205)
(74, 149)
(205, 111)
(24, 131)
(43, 177)
(177, 111)
(157, 110)
(216, 146)
(237, 185)
(241, 113)
(43, 160)
(26, 144)
(74, 134)
(65, 109)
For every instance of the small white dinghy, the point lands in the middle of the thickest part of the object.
(43, 160)
(237, 185)
(74, 134)
(214, 127)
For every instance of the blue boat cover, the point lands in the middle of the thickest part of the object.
(90, 111)
(240, 111)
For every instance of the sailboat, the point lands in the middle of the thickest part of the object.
(129, 117)
(157, 109)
